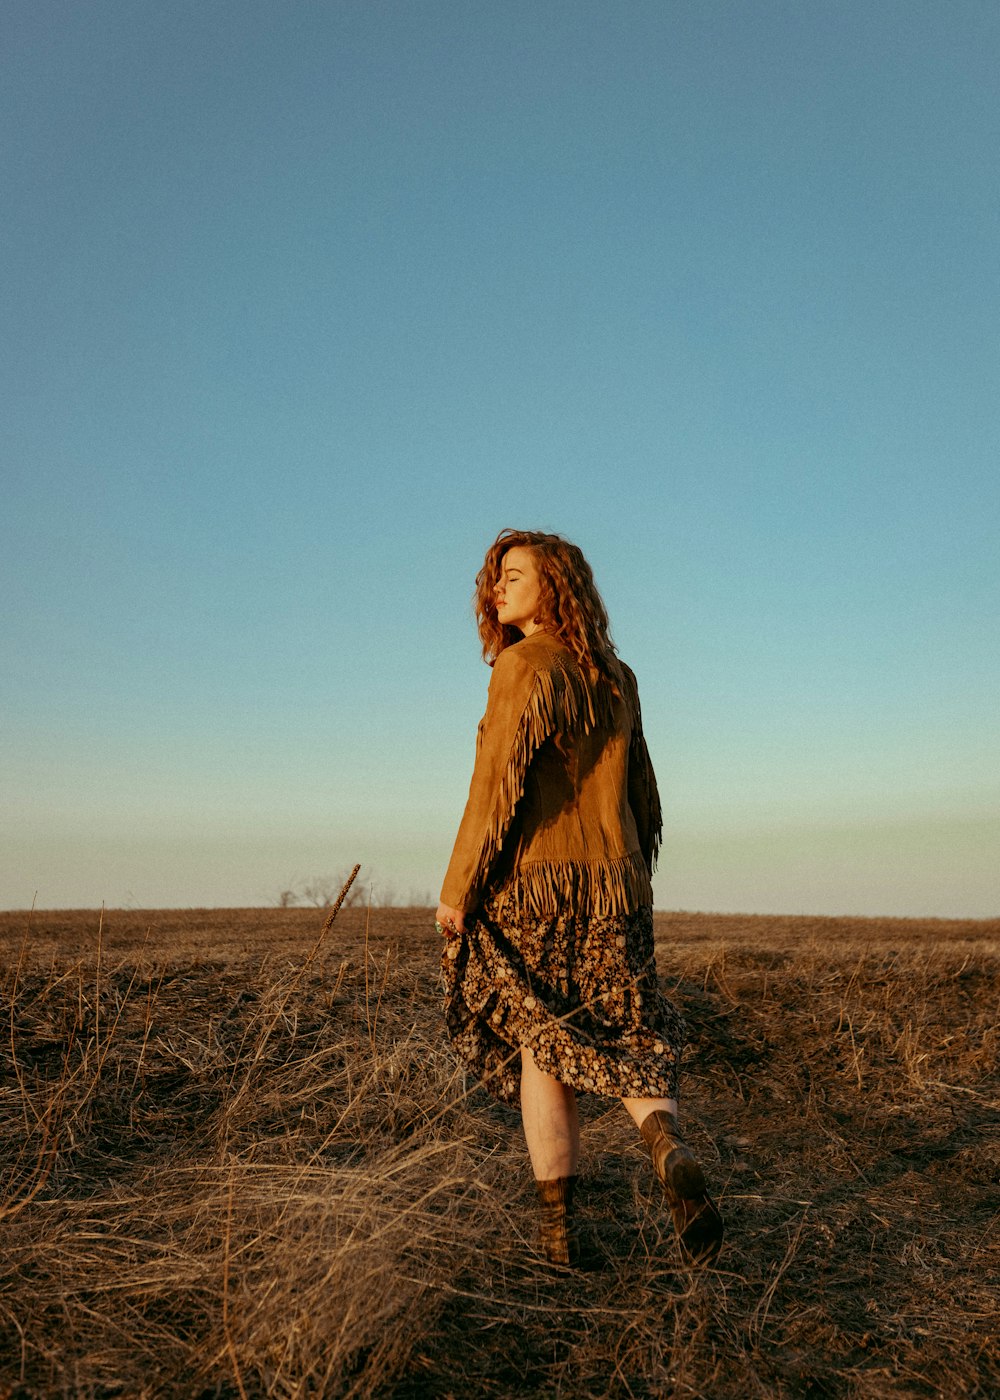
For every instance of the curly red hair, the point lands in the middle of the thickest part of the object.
(570, 606)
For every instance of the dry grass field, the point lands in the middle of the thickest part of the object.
(239, 1162)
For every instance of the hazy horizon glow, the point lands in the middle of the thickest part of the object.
(304, 304)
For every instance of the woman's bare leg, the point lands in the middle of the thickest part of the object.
(551, 1124)
(640, 1109)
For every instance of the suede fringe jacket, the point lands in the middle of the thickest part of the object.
(563, 811)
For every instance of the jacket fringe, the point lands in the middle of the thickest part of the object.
(639, 758)
(561, 701)
(599, 888)
(640, 765)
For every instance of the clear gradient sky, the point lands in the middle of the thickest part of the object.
(303, 302)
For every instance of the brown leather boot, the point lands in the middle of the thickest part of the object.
(696, 1217)
(557, 1228)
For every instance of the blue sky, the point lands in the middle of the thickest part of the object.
(304, 303)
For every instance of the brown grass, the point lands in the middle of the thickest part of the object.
(236, 1164)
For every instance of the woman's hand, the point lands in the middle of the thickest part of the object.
(450, 921)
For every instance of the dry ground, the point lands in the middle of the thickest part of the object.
(235, 1163)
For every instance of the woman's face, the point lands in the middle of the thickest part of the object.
(518, 591)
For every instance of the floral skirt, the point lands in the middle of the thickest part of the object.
(578, 990)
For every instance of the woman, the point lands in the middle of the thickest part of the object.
(547, 904)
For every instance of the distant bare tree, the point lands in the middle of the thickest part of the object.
(384, 895)
(322, 890)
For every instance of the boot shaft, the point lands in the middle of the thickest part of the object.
(557, 1227)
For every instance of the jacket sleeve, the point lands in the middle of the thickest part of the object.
(502, 754)
(643, 796)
